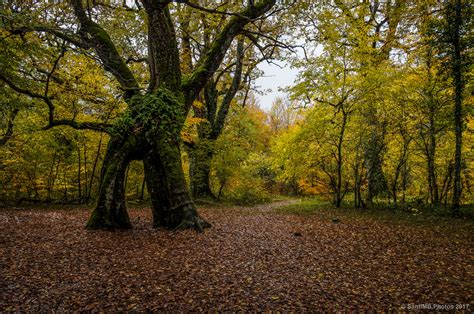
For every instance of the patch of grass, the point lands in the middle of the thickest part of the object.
(415, 216)
(280, 198)
(306, 206)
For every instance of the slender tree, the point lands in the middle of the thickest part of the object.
(455, 24)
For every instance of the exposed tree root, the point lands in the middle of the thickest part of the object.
(194, 222)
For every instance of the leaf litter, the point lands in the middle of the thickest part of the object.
(252, 259)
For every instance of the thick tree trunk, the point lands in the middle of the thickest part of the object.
(376, 181)
(110, 212)
(172, 204)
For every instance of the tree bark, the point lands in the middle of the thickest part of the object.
(200, 169)
(431, 158)
(339, 194)
(172, 204)
(94, 166)
(458, 90)
(110, 212)
(158, 147)
(79, 166)
(376, 181)
(202, 152)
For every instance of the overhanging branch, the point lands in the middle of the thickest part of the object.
(94, 126)
(99, 39)
(70, 38)
(213, 10)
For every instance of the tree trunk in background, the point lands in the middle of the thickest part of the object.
(339, 194)
(202, 152)
(79, 165)
(86, 177)
(200, 158)
(431, 159)
(142, 190)
(356, 186)
(376, 181)
(405, 178)
(454, 10)
(51, 178)
(401, 164)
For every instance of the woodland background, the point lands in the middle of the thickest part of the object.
(370, 119)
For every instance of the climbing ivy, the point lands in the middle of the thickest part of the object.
(157, 113)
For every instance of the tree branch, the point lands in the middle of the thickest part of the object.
(99, 39)
(214, 10)
(9, 132)
(30, 93)
(94, 126)
(55, 31)
(230, 94)
(209, 63)
(136, 60)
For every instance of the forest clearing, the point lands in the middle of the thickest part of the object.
(252, 258)
(197, 155)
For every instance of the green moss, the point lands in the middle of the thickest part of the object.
(97, 221)
(160, 112)
(188, 79)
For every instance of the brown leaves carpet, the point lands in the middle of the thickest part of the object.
(252, 259)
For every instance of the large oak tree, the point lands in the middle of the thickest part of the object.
(149, 129)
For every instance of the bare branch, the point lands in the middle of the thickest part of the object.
(214, 10)
(209, 62)
(136, 60)
(9, 131)
(60, 33)
(94, 126)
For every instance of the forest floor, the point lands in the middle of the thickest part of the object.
(268, 257)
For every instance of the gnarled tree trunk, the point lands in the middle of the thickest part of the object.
(177, 210)
(110, 212)
(150, 129)
(153, 138)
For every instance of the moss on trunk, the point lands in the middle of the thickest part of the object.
(148, 132)
(110, 212)
(200, 169)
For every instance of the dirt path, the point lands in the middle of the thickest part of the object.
(252, 259)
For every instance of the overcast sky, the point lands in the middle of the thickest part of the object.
(274, 78)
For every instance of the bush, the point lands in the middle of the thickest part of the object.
(249, 191)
